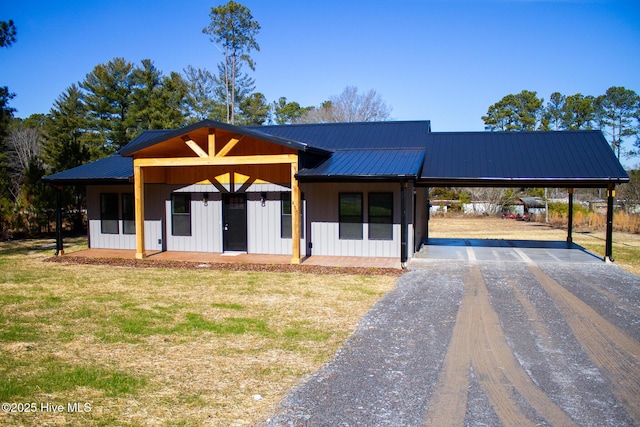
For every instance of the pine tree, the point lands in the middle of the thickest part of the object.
(233, 27)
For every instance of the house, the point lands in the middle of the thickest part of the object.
(533, 205)
(337, 189)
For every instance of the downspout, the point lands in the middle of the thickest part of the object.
(426, 236)
(59, 243)
(403, 224)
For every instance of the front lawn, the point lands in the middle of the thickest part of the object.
(102, 345)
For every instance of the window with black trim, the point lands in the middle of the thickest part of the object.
(285, 217)
(128, 214)
(381, 216)
(181, 214)
(350, 206)
(109, 213)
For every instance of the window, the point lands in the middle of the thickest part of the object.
(350, 216)
(128, 214)
(285, 217)
(181, 214)
(381, 216)
(109, 213)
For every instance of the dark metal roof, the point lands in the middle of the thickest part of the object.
(532, 202)
(561, 159)
(407, 150)
(110, 170)
(378, 164)
(341, 136)
(150, 138)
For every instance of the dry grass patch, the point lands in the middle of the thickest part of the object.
(161, 346)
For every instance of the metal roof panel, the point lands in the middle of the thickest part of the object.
(521, 156)
(349, 136)
(389, 163)
(108, 170)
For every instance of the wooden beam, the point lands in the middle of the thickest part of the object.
(211, 142)
(196, 148)
(295, 214)
(138, 189)
(228, 146)
(218, 161)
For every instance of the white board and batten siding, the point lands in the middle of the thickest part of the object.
(152, 234)
(263, 223)
(206, 225)
(264, 226)
(98, 239)
(323, 220)
(320, 218)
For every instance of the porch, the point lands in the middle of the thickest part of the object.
(243, 258)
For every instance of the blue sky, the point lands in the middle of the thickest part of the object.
(446, 61)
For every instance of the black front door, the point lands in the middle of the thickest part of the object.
(234, 222)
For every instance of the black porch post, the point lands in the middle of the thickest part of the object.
(570, 227)
(59, 243)
(608, 255)
(403, 223)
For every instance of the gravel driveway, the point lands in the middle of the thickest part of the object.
(475, 342)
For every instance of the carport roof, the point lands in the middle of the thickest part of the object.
(527, 159)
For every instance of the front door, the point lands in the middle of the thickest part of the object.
(234, 222)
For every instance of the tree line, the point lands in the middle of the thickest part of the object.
(118, 100)
(616, 113)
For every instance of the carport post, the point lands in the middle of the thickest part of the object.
(608, 253)
(570, 227)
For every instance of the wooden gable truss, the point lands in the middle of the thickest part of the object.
(233, 150)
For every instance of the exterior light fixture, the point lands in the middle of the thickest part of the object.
(263, 199)
(205, 199)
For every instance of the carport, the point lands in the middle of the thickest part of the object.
(568, 159)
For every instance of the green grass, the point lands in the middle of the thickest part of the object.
(231, 325)
(227, 306)
(18, 331)
(302, 331)
(53, 376)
